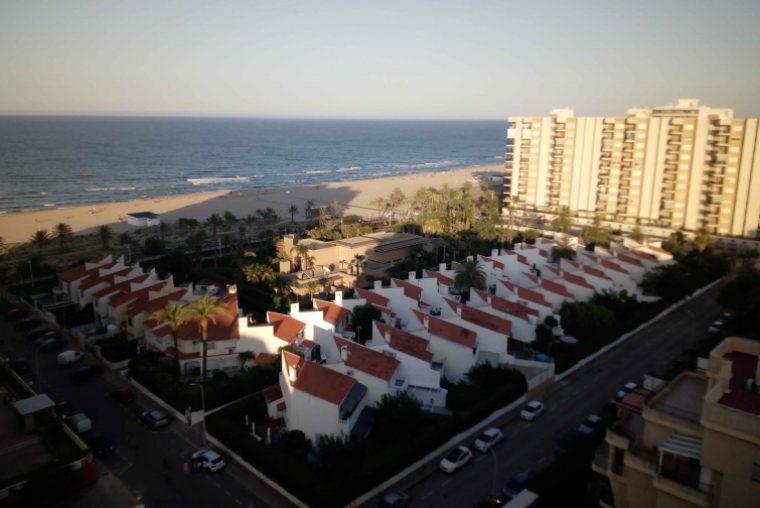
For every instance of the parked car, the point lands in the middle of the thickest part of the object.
(489, 438)
(100, 446)
(87, 372)
(532, 410)
(155, 419)
(69, 357)
(515, 486)
(122, 394)
(27, 324)
(456, 459)
(490, 502)
(20, 365)
(36, 333)
(628, 388)
(79, 423)
(15, 314)
(55, 343)
(567, 442)
(397, 499)
(715, 327)
(725, 317)
(96, 331)
(590, 425)
(64, 410)
(208, 459)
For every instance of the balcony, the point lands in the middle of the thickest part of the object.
(720, 158)
(674, 140)
(683, 486)
(602, 463)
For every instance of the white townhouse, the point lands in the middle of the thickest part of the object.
(70, 280)
(377, 371)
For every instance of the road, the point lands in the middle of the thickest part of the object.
(139, 451)
(528, 446)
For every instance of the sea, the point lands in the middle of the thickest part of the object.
(58, 162)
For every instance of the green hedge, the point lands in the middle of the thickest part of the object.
(117, 349)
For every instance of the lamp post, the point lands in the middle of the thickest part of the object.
(203, 409)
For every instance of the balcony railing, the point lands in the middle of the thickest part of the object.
(689, 479)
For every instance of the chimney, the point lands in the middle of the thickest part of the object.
(412, 275)
(426, 322)
(488, 299)
(294, 308)
(292, 372)
(387, 336)
(378, 284)
(240, 312)
(459, 309)
(251, 321)
(470, 258)
(442, 267)
(494, 252)
(344, 353)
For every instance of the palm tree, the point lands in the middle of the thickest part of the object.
(675, 243)
(564, 221)
(324, 216)
(505, 234)
(215, 222)
(302, 253)
(205, 311)
(174, 316)
(563, 249)
(124, 238)
(163, 228)
(62, 231)
(280, 284)
(637, 234)
(39, 239)
(379, 203)
(529, 235)
(256, 273)
(312, 287)
(293, 211)
(470, 276)
(701, 240)
(106, 234)
(271, 215)
(359, 262)
(3, 246)
(596, 232)
(396, 197)
(250, 220)
(335, 208)
(196, 242)
(261, 214)
(229, 219)
(309, 206)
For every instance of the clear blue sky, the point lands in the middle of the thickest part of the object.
(463, 59)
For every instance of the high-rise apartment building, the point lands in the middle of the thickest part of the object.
(683, 166)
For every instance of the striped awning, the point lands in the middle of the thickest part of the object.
(686, 446)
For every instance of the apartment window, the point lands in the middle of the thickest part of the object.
(210, 346)
(510, 148)
(736, 139)
(510, 141)
(630, 136)
(510, 125)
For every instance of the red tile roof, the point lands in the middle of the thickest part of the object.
(182, 355)
(581, 242)
(577, 280)
(508, 285)
(556, 288)
(532, 296)
(367, 360)
(456, 265)
(306, 343)
(532, 277)
(79, 272)
(273, 393)
(595, 272)
(123, 286)
(504, 305)
(333, 314)
(406, 342)
(281, 406)
(543, 253)
(442, 279)
(108, 279)
(591, 257)
(630, 260)
(141, 293)
(151, 306)
(372, 297)
(448, 331)
(265, 359)
(496, 264)
(614, 266)
(552, 269)
(225, 328)
(481, 318)
(412, 291)
(575, 265)
(646, 255)
(316, 380)
(659, 249)
(285, 327)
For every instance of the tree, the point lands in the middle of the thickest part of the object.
(3, 246)
(637, 235)
(359, 258)
(174, 316)
(563, 249)
(302, 253)
(62, 231)
(293, 211)
(280, 284)
(530, 235)
(324, 216)
(313, 287)
(250, 220)
(396, 197)
(164, 228)
(379, 203)
(205, 310)
(124, 239)
(584, 320)
(596, 233)
(701, 241)
(214, 221)
(335, 208)
(196, 243)
(153, 246)
(399, 417)
(39, 239)
(563, 221)
(309, 206)
(244, 357)
(257, 273)
(229, 219)
(471, 275)
(671, 282)
(742, 295)
(362, 318)
(505, 234)
(675, 242)
(106, 234)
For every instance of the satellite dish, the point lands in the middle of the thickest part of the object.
(568, 340)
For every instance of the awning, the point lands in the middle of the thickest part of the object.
(685, 446)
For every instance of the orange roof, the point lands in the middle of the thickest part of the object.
(646, 255)
(281, 406)
(552, 269)
(80, 272)
(367, 360)
(225, 328)
(456, 265)
(481, 318)
(508, 285)
(543, 253)
(121, 286)
(286, 327)
(577, 280)
(659, 249)
(448, 331)
(182, 356)
(496, 264)
(532, 277)
(265, 359)
(151, 306)
(595, 272)
(273, 393)
(108, 279)
(630, 260)
(317, 380)
(581, 242)
(532, 296)
(442, 279)
(333, 314)
(372, 297)
(412, 291)
(555, 287)
(591, 257)
(504, 305)
(573, 264)
(141, 293)
(406, 342)
(613, 266)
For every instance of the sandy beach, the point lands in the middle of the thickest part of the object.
(355, 196)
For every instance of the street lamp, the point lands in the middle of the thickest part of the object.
(203, 409)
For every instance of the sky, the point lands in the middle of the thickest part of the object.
(410, 59)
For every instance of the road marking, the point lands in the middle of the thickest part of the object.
(217, 485)
(228, 493)
(447, 482)
(427, 495)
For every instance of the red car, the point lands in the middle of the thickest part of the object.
(122, 394)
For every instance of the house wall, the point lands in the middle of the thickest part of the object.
(457, 359)
(311, 415)
(555, 299)
(258, 338)
(734, 459)
(376, 387)
(581, 293)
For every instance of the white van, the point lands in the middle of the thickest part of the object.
(69, 357)
(80, 423)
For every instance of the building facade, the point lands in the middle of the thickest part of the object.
(683, 166)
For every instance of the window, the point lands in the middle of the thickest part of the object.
(129, 321)
(510, 141)
(210, 346)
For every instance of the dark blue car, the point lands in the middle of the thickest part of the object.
(515, 486)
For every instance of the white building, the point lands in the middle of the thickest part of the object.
(143, 219)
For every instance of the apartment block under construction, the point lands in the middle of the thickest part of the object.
(684, 166)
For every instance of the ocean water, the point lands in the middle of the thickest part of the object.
(55, 162)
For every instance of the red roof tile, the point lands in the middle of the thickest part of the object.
(412, 291)
(630, 260)
(273, 393)
(79, 272)
(595, 272)
(532, 277)
(182, 356)
(225, 328)
(281, 406)
(141, 293)
(577, 280)
(508, 285)
(532, 296)
(480, 318)
(543, 253)
(659, 249)
(552, 269)
(372, 297)
(581, 242)
(456, 265)
(614, 266)
(367, 360)
(448, 331)
(646, 255)
(108, 279)
(285, 327)
(496, 264)
(265, 359)
(316, 380)
(504, 305)
(333, 314)
(591, 257)
(442, 279)
(555, 287)
(575, 265)
(151, 306)
(406, 342)
(121, 286)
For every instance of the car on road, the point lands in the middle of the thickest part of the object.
(515, 486)
(51, 344)
(155, 418)
(567, 442)
(87, 372)
(489, 438)
(628, 388)
(64, 410)
(36, 333)
(590, 425)
(122, 394)
(69, 357)
(725, 317)
(51, 334)
(715, 327)
(27, 324)
(396, 499)
(79, 423)
(15, 314)
(208, 459)
(490, 502)
(532, 410)
(100, 446)
(456, 459)
(20, 365)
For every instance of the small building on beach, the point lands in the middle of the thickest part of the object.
(143, 219)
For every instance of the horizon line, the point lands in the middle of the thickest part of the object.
(244, 117)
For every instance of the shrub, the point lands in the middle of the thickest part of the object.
(117, 349)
